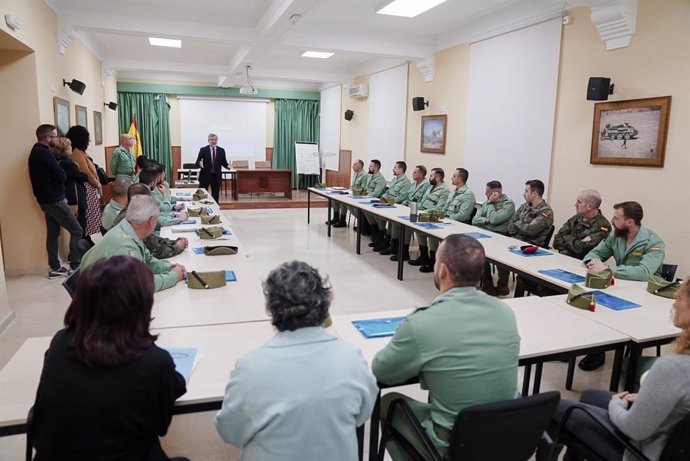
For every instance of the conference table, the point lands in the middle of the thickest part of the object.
(226, 174)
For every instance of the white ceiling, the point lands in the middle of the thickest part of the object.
(220, 36)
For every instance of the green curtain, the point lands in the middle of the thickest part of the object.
(153, 120)
(297, 120)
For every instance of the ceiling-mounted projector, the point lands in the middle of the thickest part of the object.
(248, 90)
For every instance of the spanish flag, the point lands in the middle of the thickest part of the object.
(134, 131)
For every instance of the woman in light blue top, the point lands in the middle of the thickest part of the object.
(301, 395)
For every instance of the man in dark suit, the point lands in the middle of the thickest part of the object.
(211, 160)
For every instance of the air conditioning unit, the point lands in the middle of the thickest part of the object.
(359, 91)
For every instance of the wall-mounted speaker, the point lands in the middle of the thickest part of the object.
(599, 89)
(349, 114)
(75, 85)
(418, 103)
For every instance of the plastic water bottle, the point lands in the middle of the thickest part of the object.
(413, 212)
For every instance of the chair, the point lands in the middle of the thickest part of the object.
(677, 447)
(547, 240)
(240, 164)
(193, 175)
(668, 271)
(262, 165)
(501, 431)
(70, 283)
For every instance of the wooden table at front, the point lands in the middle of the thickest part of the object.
(255, 181)
(547, 332)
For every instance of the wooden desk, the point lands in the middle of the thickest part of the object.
(255, 181)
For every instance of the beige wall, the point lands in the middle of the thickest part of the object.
(29, 84)
(354, 135)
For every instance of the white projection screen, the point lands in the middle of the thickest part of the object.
(511, 107)
(387, 117)
(329, 126)
(239, 124)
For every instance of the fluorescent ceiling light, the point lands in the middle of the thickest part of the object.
(406, 8)
(317, 54)
(169, 42)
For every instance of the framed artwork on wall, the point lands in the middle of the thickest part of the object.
(61, 113)
(81, 116)
(97, 127)
(630, 132)
(433, 138)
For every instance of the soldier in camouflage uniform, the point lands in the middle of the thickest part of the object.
(459, 207)
(359, 181)
(531, 223)
(418, 187)
(586, 229)
(397, 191)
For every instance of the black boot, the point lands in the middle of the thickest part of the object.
(376, 236)
(385, 243)
(426, 268)
(366, 227)
(341, 222)
(405, 255)
(423, 257)
(392, 248)
(336, 218)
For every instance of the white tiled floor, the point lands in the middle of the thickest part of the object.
(360, 283)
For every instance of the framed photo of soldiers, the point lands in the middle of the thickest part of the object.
(433, 139)
(61, 113)
(630, 132)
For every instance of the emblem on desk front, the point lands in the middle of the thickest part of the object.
(263, 181)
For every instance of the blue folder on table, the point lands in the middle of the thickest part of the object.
(357, 197)
(377, 328)
(539, 252)
(476, 235)
(184, 360)
(428, 225)
(563, 275)
(612, 302)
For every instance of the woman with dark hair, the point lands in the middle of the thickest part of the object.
(106, 390)
(301, 395)
(91, 222)
(75, 193)
(646, 419)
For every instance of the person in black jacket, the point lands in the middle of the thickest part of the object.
(48, 184)
(211, 160)
(106, 390)
(75, 192)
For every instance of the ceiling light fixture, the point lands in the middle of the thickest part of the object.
(406, 8)
(317, 54)
(169, 42)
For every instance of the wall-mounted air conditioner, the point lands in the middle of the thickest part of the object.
(359, 91)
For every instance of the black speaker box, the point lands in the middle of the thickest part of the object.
(349, 114)
(418, 103)
(598, 88)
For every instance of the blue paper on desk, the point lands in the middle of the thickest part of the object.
(230, 276)
(383, 205)
(198, 250)
(563, 275)
(189, 221)
(539, 252)
(428, 225)
(377, 328)
(184, 360)
(357, 197)
(612, 302)
(476, 235)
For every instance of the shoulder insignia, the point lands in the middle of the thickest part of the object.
(655, 249)
(637, 253)
(604, 229)
(544, 214)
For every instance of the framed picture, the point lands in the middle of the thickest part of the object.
(81, 116)
(97, 128)
(434, 134)
(61, 113)
(630, 132)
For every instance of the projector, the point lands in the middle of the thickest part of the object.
(248, 90)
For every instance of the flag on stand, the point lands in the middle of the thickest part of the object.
(134, 131)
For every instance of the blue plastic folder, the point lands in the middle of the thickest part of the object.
(539, 252)
(357, 197)
(198, 250)
(565, 276)
(612, 302)
(383, 205)
(429, 225)
(184, 360)
(476, 235)
(189, 221)
(377, 328)
(230, 276)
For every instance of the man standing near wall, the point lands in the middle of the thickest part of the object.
(122, 162)
(211, 160)
(48, 184)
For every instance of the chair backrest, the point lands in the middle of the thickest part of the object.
(678, 446)
(502, 431)
(70, 283)
(240, 164)
(262, 164)
(474, 212)
(547, 240)
(190, 166)
(668, 271)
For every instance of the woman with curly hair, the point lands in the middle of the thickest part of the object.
(90, 219)
(301, 395)
(75, 192)
(647, 418)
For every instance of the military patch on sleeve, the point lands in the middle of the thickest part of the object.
(636, 253)
(604, 229)
(544, 214)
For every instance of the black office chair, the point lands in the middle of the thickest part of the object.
(677, 447)
(668, 271)
(547, 240)
(70, 283)
(508, 430)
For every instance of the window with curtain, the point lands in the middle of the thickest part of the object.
(295, 120)
(153, 120)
